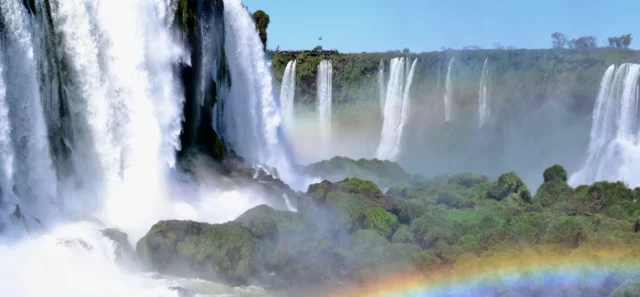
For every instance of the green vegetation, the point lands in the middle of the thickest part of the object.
(261, 19)
(350, 230)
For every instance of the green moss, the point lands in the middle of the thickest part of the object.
(365, 187)
(380, 220)
(226, 250)
(276, 225)
(555, 172)
(351, 208)
(383, 173)
(509, 187)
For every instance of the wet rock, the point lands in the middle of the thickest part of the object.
(124, 251)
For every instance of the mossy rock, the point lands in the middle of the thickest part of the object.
(553, 191)
(431, 228)
(351, 208)
(509, 187)
(468, 179)
(380, 220)
(283, 227)
(214, 252)
(555, 172)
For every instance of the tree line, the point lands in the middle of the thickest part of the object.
(559, 40)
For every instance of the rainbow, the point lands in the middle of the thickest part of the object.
(588, 268)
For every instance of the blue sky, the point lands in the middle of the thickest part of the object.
(427, 25)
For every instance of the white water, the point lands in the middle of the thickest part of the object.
(288, 92)
(448, 92)
(484, 111)
(325, 89)
(6, 147)
(123, 53)
(252, 121)
(381, 85)
(31, 173)
(614, 151)
(396, 109)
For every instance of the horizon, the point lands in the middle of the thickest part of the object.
(530, 24)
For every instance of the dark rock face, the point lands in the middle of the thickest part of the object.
(124, 251)
(636, 227)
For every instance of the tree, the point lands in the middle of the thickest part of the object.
(471, 47)
(558, 40)
(406, 51)
(584, 42)
(317, 48)
(262, 23)
(620, 42)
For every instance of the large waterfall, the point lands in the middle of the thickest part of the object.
(448, 92)
(484, 111)
(252, 116)
(325, 84)
(288, 92)
(381, 85)
(396, 108)
(613, 153)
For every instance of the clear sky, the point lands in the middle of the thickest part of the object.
(427, 25)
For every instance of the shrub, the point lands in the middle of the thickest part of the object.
(510, 187)
(555, 172)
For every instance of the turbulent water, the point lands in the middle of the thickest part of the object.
(288, 92)
(396, 109)
(381, 85)
(614, 149)
(484, 111)
(448, 92)
(325, 84)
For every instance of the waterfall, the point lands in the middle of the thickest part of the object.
(381, 85)
(484, 111)
(396, 109)
(25, 146)
(448, 92)
(121, 55)
(288, 92)
(6, 147)
(325, 81)
(252, 116)
(614, 149)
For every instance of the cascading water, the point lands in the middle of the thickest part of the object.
(288, 92)
(484, 111)
(125, 85)
(30, 177)
(381, 85)
(448, 92)
(325, 86)
(396, 109)
(252, 121)
(614, 149)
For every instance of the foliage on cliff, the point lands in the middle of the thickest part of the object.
(350, 230)
(261, 19)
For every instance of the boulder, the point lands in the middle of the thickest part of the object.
(124, 251)
(222, 252)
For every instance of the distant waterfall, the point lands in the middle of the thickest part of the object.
(325, 82)
(484, 111)
(448, 92)
(614, 150)
(252, 120)
(396, 108)
(381, 85)
(287, 92)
